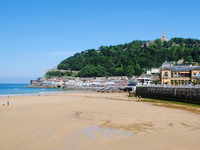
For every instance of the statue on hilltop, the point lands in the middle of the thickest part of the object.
(163, 38)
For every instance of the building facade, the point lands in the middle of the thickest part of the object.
(179, 74)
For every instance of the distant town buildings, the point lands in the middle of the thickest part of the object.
(83, 82)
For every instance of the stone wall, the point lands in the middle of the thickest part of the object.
(173, 93)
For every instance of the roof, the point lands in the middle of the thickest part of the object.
(165, 68)
(166, 64)
(181, 68)
(196, 68)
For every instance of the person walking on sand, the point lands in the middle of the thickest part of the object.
(8, 101)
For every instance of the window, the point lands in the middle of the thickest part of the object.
(186, 75)
(166, 74)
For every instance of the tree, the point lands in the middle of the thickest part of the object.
(100, 71)
(87, 71)
(140, 55)
(92, 71)
(189, 59)
(194, 82)
(119, 71)
(129, 71)
(52, 74)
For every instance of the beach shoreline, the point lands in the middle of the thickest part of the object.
(91, 120)
(42, 93)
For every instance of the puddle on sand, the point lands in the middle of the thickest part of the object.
(93, 134)
(16, 146)
(44, 132)
(135, 127)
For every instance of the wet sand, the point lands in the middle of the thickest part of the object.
(96, 121)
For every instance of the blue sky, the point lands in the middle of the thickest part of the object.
(38, 34)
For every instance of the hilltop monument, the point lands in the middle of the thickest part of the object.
(163, 38)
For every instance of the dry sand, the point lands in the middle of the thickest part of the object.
(95, 121)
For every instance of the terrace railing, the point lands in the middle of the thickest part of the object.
(169, 86)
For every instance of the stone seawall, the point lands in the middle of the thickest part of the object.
(173, 93)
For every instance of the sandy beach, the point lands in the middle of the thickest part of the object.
(96, 121)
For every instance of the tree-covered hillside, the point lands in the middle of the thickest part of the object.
(131, 58)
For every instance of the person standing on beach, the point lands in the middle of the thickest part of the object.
(8, 103)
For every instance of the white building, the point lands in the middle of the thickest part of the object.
(110, 83)
(153, 71)
(95, 83)
(143, 81)
(70, 82)
(79, 83)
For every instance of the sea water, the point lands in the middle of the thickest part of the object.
(21, 89)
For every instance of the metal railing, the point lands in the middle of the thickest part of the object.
(169, 86)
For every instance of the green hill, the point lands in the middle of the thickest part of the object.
(131, 58)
